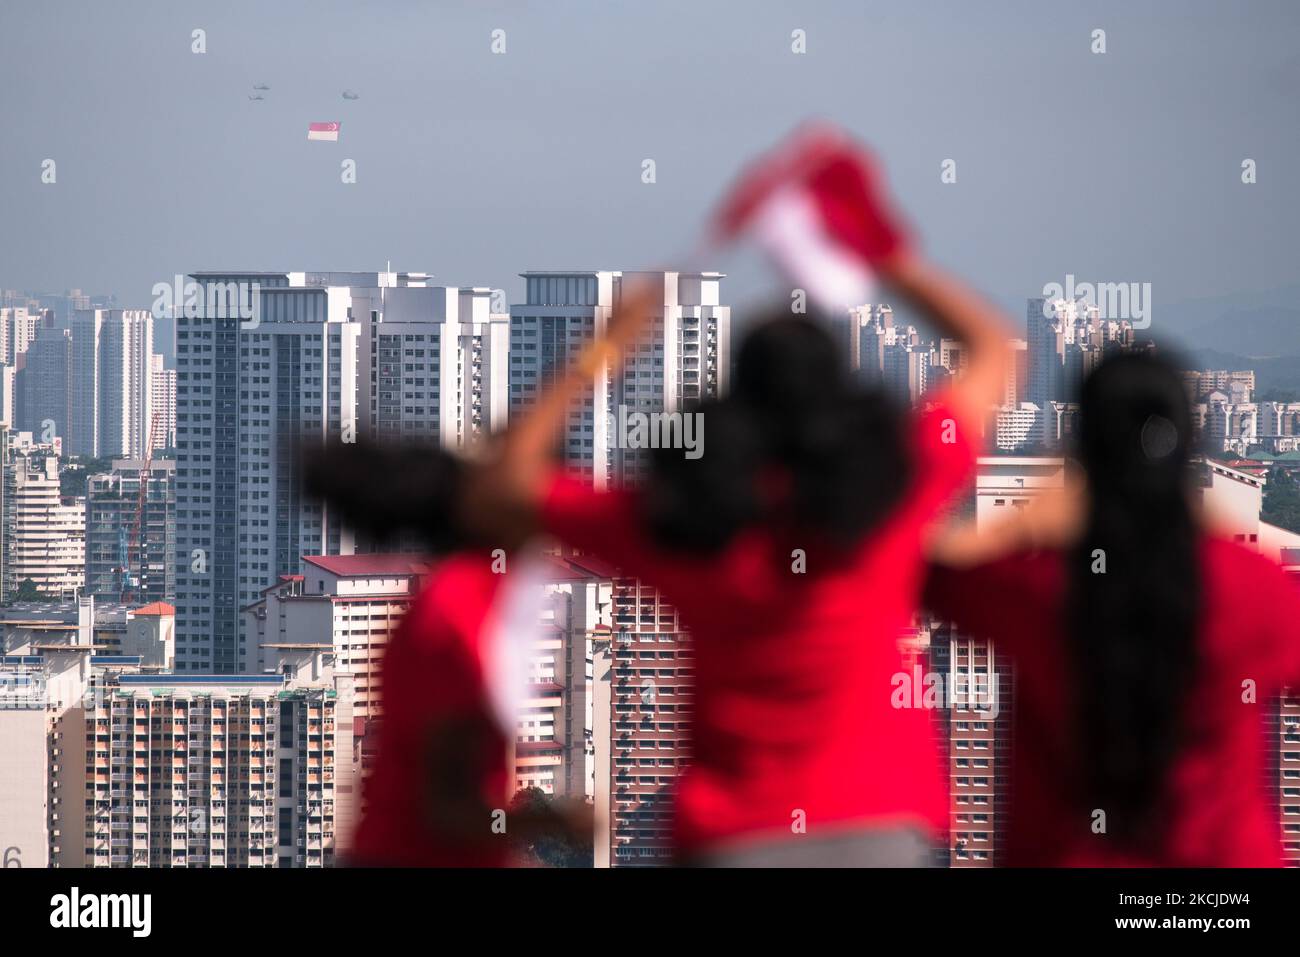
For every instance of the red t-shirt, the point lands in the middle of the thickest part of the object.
(793, 671)
(437, 732)
(1217, 813)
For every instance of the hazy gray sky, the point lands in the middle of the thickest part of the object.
(473, 166)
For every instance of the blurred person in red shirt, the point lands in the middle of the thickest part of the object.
(793, 545)
(453, 671)
(1145, 646)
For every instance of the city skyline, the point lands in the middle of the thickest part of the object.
(281, 281)
(503, 173)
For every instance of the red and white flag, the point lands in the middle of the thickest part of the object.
(323, 131)
(816, 204)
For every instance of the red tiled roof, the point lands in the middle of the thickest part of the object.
(526, 747)
(359, 566)
(593, 566)
(545, 687)
(157, 609)
(571, 567)
(557, 569)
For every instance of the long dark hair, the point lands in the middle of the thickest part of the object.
(393, 494)
(796, 443)
(1134, 578)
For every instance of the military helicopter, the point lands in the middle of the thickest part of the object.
(349, 95)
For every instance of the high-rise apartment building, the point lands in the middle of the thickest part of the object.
(270, 362)
(62, 306)
(1238, 385)
(1278, 426)
(163, 405)
(1017, 384)
(24, 764)
(110, 409)
(1045, 340)
(43, 385)
(1015, 427)
(8, 396)
(216, 771)
(1228, 419)
(146, 768)
(906, 372)
(554, 747)
(895, 358)
(347, 604)
(864, 333)
(643, 709)
(973, 732)
(47, 656)
(1066, 339)
(131, 541)
(18, 325)
(42, 536)
(265, 362)
(434, 358)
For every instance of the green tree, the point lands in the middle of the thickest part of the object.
(27, 591)
(550, 832)
(1282, 499)
(73, 477)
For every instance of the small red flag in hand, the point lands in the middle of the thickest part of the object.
(817, 204)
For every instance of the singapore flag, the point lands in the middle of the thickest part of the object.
(817, 205)
(323, 131)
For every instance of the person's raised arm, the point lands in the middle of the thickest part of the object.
(502, 494)
(528, 443)
(958, 312)
(1052, 520)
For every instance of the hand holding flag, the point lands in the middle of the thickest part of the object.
(817, 204)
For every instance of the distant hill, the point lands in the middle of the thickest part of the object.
(1263, 331)
(1257, 323)
(1255, 330)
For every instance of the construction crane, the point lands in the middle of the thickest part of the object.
(136, 544)
(123, 561)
